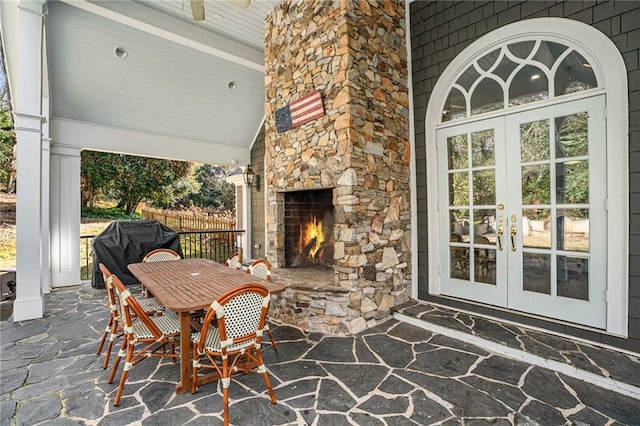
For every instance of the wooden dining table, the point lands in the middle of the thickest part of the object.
(189, 285)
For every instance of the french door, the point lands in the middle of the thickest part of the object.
(522, 211)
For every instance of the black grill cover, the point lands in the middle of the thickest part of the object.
(125, 242)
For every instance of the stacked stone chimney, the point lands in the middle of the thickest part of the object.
(354, 53)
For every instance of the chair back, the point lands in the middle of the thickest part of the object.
(235, 261)
(260, 268)
(161, 255)
(241, 314)
(130, 309)
(108, 285)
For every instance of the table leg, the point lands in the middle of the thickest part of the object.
(185, 353)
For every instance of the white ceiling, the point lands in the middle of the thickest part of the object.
(174, 79)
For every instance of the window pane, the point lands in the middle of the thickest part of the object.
(488, 60)
(459, 189)
(529, 85)
(459, 262)
(455, 108)
(534, 141)
(484, 223)
(468, 77)
(536, 272)
(484, 187)
(522, 49)
(573, 230)
(459, 222)
(483, 147)
(549, 52)
(573, 277)
(458, 152)
(572, 135)
(536, 228)
(486, 97)
(574, 75)
(505, 68)
(485, 265)
(572, 182)
(536, 186)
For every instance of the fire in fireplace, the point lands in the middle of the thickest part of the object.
(308, 226)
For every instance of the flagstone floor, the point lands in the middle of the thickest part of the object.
(394, 374)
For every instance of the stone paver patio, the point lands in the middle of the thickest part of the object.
(394, 374)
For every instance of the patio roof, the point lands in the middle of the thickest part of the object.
(395, 373)
(147, 67)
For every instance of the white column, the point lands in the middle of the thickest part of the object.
(44, 216)
(65, 215)
(29, 301)
(44, 207)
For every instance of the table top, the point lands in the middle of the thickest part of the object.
(192, 284)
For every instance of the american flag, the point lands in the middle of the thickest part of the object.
(307, 108)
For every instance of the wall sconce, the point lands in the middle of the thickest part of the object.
(250, 177)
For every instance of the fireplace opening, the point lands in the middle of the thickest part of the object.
(308, 228)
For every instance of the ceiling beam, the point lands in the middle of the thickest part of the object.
(161, 25)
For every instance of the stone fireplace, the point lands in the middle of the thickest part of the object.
(351, 165)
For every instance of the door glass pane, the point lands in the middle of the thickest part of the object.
(573, 230)
(483, 148)
(572, 182)
(572, 135)
(485, 265)
(484, 187)
(459, 189)
(536, 186)
(484, 222)
(458, 152)
(536, 228)
(573, 277)
(534, 141)
(459, 223)
(536, 272)
(459, 262)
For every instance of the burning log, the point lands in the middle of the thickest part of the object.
(302, 257)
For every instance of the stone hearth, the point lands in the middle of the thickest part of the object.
(354, 53)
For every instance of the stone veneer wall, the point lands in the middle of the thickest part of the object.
(354, 52)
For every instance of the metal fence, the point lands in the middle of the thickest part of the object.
(215, 245)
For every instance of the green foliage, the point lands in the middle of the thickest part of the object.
(111, 213)
(129, 179)
(214, 190)
(7, 145)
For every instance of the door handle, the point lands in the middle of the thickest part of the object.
(514, 231)
(499, 234)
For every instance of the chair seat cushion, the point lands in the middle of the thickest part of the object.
(150, 305)
(212, 343)
(167, 323)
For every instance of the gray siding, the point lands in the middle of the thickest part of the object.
(257, 198)
(442, 29)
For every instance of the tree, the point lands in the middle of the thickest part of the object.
(130, 179)
(215, 190)
(7, 137)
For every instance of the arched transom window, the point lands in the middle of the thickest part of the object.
(516, 74)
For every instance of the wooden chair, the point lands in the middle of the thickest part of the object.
(234, 345)
(261, 268)
(161, 255)
(146, 337)
(150, 306)
(158, 255)
(235, 261)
